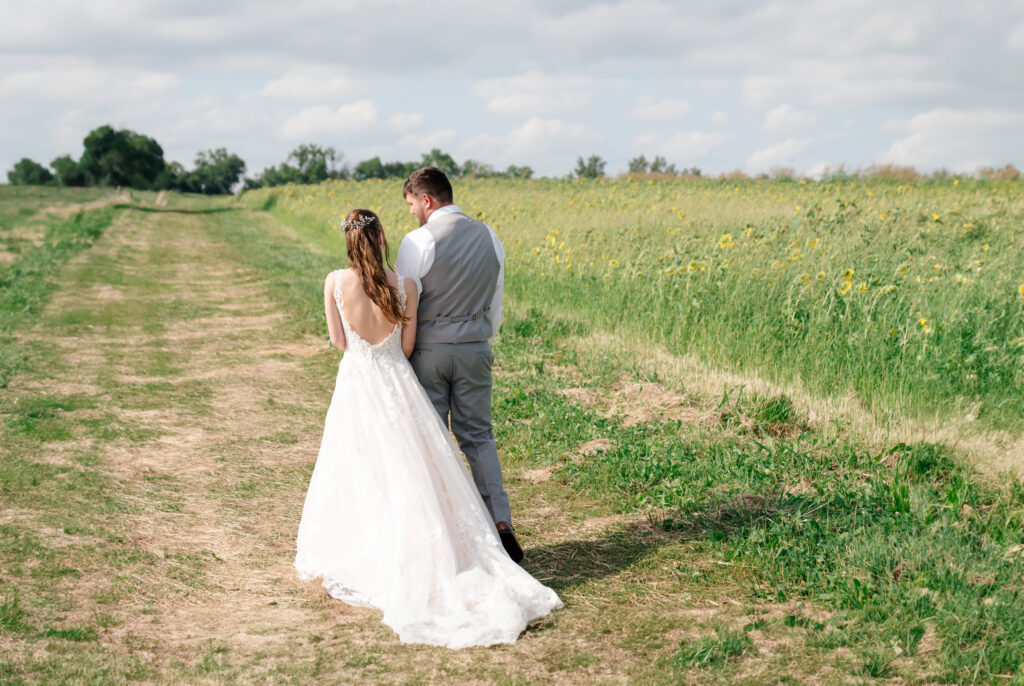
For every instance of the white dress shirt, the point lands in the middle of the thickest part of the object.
(416, 257)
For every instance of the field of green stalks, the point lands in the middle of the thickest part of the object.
(910, 297)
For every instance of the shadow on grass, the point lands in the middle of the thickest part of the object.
(735, 516)
(175, 210)
(563, 566)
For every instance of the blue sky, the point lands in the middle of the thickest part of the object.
(717, 85)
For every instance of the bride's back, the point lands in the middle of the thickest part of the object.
(361, 313)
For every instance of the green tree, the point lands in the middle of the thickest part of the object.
(475, 169)
(308, 163)
(639, 164)
(29, 173)
(176, 175)
(215, 173)
(253, 182)
(123, 158)
(661, 166)
(399, 170)
(69, 172)
(372, 168)
(592, 168)
(316, 164)
(280, 175)
(514, 172)
(443, 161)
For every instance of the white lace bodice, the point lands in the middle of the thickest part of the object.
(354, 343)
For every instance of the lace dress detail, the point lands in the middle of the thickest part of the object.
(392, 518)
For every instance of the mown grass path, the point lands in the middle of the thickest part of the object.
(156, 458)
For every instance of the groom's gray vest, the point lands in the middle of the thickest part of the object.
(455, 304)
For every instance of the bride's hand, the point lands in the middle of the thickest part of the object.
(412, 297)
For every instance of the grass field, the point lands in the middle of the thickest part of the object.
(687, 468)
(910, 297)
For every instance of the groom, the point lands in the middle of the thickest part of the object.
(459, 265)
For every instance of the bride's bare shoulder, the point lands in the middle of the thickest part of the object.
(346, 278)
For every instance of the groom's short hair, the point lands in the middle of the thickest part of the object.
(429, 180)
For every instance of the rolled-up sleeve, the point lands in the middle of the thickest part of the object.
(415, 256)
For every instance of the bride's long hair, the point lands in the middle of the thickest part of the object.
(364, 238)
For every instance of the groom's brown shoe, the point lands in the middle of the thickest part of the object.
(508, 539)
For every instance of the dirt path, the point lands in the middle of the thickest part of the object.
(212, 414)
(226, 401)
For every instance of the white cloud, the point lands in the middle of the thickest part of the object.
(206, 118)
(1016, 40)
(311, 82)
(421, 143)
(648, 109)
(777, 154)
(719, 119)
(351, 118)
(405, 123)
(536, 134)
(609, 32)
(785, 118)
(682, 147)
(540, 143)
(534, 93)
(961, 140)
(81, 82)
(858, 81)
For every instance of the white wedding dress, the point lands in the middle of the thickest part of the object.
(392, 519)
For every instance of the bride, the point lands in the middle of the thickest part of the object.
(392, 518)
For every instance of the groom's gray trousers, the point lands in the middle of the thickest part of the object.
(457, 379)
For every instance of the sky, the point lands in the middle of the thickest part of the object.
(714, 84)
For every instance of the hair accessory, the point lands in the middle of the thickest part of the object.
(357, 223)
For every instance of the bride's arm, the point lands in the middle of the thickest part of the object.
(334, 327)
(412, 297)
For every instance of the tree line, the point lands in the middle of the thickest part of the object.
(113, 157)
(312, 164)
(593, 167)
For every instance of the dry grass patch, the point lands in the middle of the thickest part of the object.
(66, 210)
(642, 403)
(593, 447)
(538, 476)
(993, 453)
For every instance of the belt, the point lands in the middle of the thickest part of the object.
(458, 319)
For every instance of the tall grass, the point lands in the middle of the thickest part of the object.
(910, 296)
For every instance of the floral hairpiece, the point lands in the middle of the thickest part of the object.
(357, 223)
